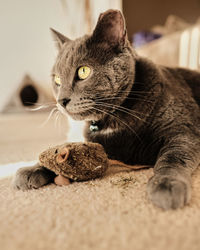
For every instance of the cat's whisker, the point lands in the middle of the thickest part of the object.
(117, 118)
(56, 119)
(122, 109)
(131, 98)
(141, 92)
(59, 122)
(133, 94)
(38, 108)
(39, 104)
(49, 116)
(137, 92)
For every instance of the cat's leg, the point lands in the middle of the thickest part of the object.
(170, 187)
(32, 177)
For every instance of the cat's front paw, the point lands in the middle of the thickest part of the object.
(32, 177)
(168, 192)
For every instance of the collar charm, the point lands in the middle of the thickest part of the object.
(94, 127)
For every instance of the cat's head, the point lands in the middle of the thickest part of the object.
(94, 73)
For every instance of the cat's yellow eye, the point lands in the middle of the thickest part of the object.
(57, 80)
(83, 72)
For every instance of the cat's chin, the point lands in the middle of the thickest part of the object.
(82, 116)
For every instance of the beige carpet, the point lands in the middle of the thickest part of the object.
(110, 213)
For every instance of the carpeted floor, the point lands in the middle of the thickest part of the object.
(112, 213)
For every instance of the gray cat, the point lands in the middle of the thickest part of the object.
(140, 112)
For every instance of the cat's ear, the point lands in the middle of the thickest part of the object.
(110, 30)
(59, 38)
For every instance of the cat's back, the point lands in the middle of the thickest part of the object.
(189, 78)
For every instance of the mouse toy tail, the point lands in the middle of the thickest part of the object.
(132, 167)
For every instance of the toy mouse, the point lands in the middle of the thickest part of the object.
(77, 161)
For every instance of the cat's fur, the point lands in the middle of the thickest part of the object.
(146, 114)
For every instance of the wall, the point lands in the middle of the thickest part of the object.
(26, 43)
(143, 14)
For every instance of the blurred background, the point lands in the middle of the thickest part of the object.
(168, 32)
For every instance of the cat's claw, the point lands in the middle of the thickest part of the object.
(168, 192)
(31, 177)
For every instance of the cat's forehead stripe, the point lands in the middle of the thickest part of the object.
(71, 54)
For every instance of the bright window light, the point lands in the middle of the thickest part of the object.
(184, 48)
(194, 46)
(10, 169)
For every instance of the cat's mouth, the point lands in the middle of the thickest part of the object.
(86, 115)
(90, 112)
(80, 114)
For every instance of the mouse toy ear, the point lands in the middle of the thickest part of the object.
(110, 30)
(59, 38)
(63, 155)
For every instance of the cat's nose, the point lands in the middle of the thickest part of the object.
(63, 102)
